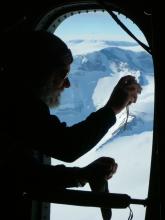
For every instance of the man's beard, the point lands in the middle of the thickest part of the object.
(51, 98)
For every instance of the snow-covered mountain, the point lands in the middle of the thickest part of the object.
(87, 46)
(96, 69)
(93, 77)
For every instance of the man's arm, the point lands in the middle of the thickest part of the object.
(69, 143)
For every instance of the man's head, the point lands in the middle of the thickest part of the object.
(51, 89)
(40, 61)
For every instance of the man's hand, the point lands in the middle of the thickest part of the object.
(125, 93)
(102, 168)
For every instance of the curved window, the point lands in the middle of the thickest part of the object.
(103, 53)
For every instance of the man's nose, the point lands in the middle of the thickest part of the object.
(66, 83)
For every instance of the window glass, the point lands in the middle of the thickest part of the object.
(103, 53)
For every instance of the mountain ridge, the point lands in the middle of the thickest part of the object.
(105, 67)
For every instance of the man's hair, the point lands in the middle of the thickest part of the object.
(34, 56)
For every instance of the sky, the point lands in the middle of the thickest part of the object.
(96, 25)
